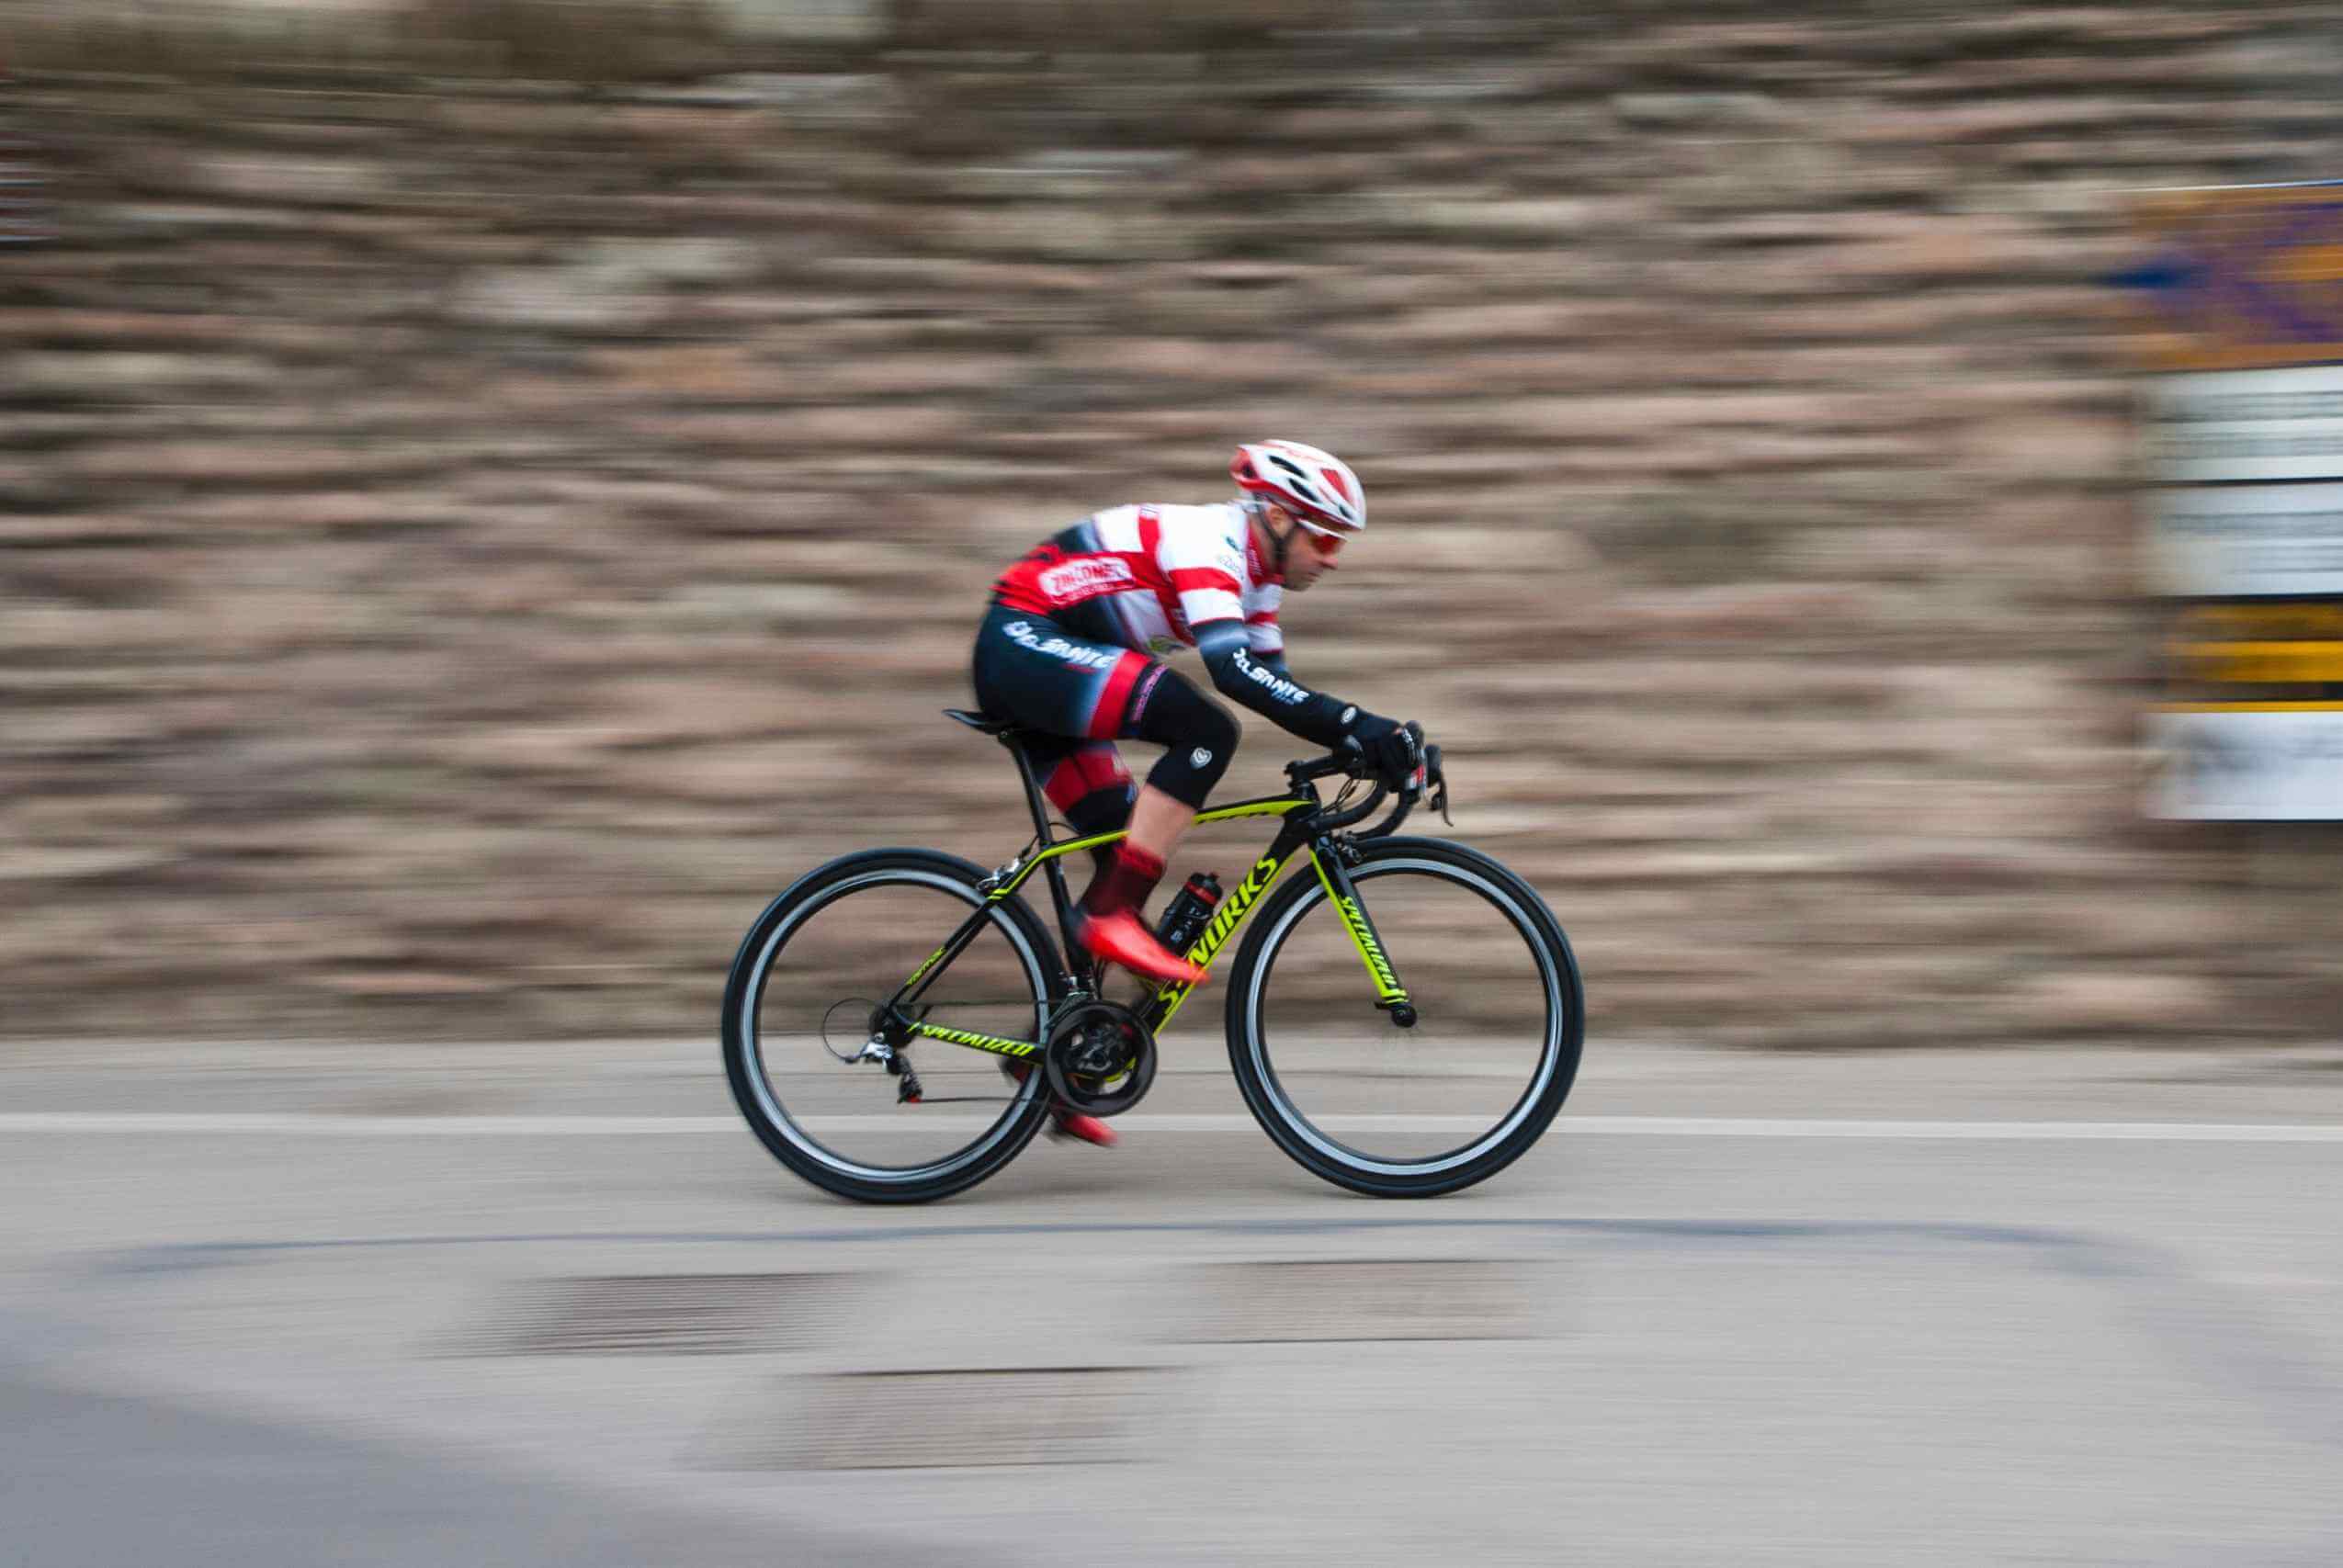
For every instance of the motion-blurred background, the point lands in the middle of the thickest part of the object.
(493, 488)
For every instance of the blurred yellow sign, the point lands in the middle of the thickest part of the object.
(2262, 663)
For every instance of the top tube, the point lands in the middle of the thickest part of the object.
(1268, 805)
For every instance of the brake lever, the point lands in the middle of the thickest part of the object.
(1438, 778)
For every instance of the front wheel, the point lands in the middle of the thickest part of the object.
(1408, 1112)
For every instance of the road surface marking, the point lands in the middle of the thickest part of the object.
(297, 1125)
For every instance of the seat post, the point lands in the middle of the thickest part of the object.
(1034, 800)
(1053, 870)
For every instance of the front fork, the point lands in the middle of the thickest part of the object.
(1390, 996)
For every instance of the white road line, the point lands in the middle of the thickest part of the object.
(296, 1124)
(2022, 1131)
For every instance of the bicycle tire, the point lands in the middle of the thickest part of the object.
(1510, 1136)
(753, 965)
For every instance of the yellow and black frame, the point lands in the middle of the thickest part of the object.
(1305, 826)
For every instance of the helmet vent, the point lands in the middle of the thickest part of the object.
(1313, 484)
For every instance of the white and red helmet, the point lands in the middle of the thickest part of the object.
(1316, 486)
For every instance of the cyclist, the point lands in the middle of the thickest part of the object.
(1065, 651)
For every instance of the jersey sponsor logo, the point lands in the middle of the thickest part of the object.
(1084, 576)
(1023, 635)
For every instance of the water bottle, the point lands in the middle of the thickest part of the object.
(1184, 917)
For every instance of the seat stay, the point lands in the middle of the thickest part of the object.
(912, 989)
(908, 994)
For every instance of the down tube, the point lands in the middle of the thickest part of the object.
(1234, 906)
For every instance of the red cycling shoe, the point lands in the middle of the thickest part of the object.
(1119, 938)
(1065, 1122)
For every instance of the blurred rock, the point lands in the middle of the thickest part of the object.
(131, 376)
(2117, 1003)
(1673, 109)
(284, 181)
(822, 21)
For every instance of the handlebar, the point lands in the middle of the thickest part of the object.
(1429, 780)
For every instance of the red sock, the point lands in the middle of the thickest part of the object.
(1124, 884)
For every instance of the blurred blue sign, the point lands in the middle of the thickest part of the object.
(2242, 276)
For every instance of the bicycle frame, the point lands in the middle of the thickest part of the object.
(1303, 827)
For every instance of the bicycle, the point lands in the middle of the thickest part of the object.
(835, 956)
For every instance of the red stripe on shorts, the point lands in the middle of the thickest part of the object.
(1107, 717)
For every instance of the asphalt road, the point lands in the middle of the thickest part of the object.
(288, 1304)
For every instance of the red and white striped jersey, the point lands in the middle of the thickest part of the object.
(1146, 577)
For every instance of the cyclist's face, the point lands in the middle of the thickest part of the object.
(1309, 555)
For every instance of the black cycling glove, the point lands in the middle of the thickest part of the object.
(1395, 750)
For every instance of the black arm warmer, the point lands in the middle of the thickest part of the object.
(1246, 677)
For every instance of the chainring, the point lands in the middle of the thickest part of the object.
(1100, 1059)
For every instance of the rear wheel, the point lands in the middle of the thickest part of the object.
(798, 1008)
(1408, 1112)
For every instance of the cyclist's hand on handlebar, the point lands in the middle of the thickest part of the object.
(1393, 750)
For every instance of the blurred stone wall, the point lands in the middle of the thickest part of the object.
(473, 533)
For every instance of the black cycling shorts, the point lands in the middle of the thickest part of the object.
(1031, 668)
(1087, 695)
